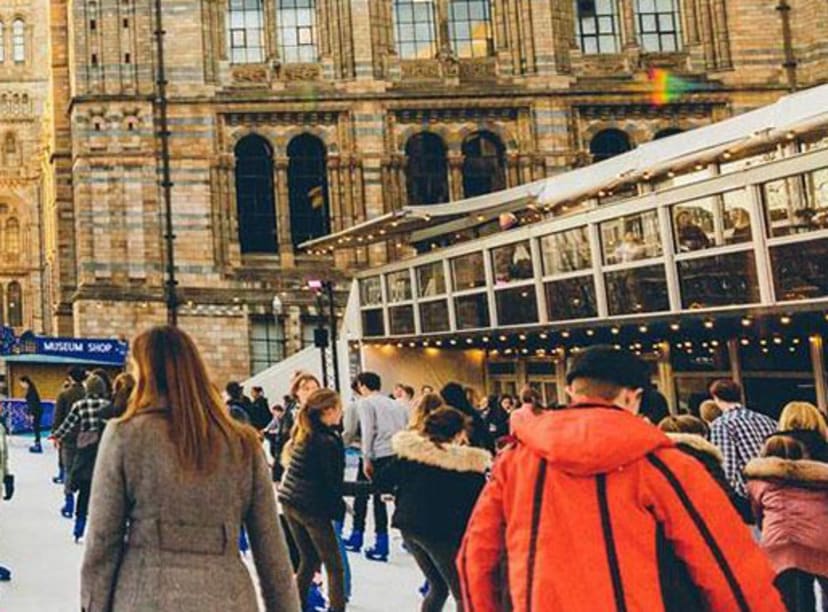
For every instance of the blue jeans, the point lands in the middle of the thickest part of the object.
(338, 531)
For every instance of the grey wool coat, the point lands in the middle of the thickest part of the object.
(164, 540)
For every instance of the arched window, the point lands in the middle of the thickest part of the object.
(13, 236)
(597, 25)
(426, 170)
(296, 20)
(609, 143)
(659, 25)
(470, 27)
(15, 300)
(2, 306)
(484, 168)
(2, 42)
(670, 131)
(10, 143)
(414, 29)
(18, 41)
(308, 186)
(254, 195)
(245, 31)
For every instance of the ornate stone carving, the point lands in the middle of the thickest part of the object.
(603, 65)
(449, 115)
(254, 74)
(282, 118)
(478, 69)
(417, 70)
(302, 72)
(677, 62)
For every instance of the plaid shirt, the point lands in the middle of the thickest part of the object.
(739, 433)
(86, 416)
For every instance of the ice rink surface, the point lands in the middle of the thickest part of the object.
(36, 544)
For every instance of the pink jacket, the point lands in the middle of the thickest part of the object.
(790, 500)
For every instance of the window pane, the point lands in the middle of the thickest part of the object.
(431, 280)
(468, 271)
(399, 286)
(434, 316)
(401, 320)
(245, 31)
(472, 311)
(469, 28)
(800, 271)
(296, 30)
(512, 262)
(372, 323)
(631, 238)
(637, 290)
(516, 306)
(370, 291)
(573, 298)
(566, 251)
(719, 281)
(797, 204)
(694, 224)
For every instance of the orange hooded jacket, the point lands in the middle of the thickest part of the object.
(580, 507)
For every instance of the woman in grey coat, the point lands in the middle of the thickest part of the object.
(174, 480)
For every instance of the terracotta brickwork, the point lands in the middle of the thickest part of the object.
(536, 90)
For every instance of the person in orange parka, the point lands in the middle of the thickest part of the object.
(582, 504)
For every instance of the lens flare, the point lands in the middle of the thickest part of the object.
(667, 87)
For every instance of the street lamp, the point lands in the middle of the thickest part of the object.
(326, 289)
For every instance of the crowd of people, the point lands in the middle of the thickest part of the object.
(610, 501)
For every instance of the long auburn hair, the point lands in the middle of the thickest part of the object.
(309, 419)
(172, 375)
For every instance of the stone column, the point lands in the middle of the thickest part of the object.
(512, 173)
(285, 240)
(334, 199)
(455, 175)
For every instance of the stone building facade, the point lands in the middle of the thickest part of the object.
(289, 119)
(23, 96)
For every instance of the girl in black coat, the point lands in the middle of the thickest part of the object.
(34, 408)
(455, 396)
(311, 492)
(436, 480)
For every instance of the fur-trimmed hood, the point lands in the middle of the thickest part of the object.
(412, 446)
(697, 443)
(805, 472)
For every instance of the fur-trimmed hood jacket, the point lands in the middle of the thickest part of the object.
(436, 486)
(802, 473)
(790, 501)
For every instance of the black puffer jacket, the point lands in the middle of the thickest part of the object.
(313, 482)
(680, 594)
(435, 487)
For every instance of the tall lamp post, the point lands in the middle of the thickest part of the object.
(170, 284)
(326, 289)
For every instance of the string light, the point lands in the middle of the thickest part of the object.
(590, 332)
(785, 320)
(469, 341)
(439, 343)
(544, 336)
(522, 337)
(615, 330)
(777, 340)
(675, 326)
(745, 341)
(565, 334)
(502, 338)
(746, 321)
(453, 342)
(709, 324)
(642, 329)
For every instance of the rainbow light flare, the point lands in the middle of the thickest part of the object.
(667, 87)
